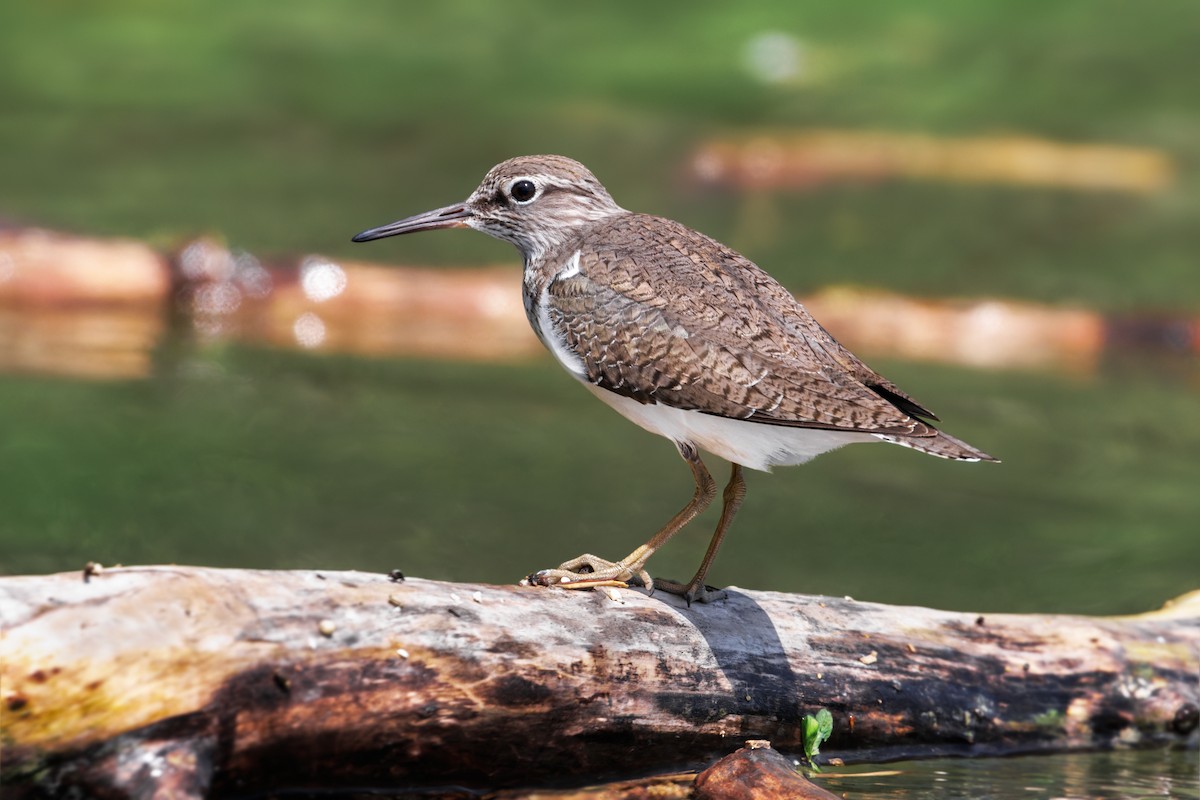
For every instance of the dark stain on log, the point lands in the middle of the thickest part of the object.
(1113, 714)
(998, 636)
(426, 743)
(423, 741)
(697, 708)
(507, 645)
(262, 687)
(464, 670)
(514, 690)
(609, 668)
(465, 613)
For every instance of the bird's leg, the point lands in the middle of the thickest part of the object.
(588, 571)
(694, 591)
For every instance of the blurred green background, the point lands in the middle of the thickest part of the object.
(289, 127)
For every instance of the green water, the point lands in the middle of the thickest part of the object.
(291, 131)
(1174, 775)
(254, 458)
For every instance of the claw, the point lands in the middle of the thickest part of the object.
(693, 593)
(570, 580)
(706, 594)
(590, 572)
(646, 580)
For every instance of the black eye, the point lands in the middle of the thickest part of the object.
(523, 190)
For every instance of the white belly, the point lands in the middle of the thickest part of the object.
(751, 444)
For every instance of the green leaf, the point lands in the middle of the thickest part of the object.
(824, 725)
(811, 731)
(817, 730)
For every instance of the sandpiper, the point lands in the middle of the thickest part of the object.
(685, 337)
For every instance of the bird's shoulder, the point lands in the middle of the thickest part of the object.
(655, 259)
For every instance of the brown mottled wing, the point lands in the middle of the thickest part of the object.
(661, 313)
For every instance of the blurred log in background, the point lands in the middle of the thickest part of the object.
(98, 308)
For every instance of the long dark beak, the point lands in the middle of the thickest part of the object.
(449, 217)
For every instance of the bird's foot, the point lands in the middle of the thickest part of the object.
(694, 592)
(589, 572)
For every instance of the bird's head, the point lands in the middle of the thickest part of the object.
(535, 202)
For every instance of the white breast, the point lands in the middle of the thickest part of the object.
(536, 310)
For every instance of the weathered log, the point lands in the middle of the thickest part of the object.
(213, 681)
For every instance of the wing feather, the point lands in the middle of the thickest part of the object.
(691, 324)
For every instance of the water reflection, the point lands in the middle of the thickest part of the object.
(110, 343)
(79, 307)
(97, 307)
(1097, 776)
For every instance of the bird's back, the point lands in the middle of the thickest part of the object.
(663, 314)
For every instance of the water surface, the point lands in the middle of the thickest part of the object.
(1096, 776)
(244, 457)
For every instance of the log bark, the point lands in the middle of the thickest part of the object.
(207, 682)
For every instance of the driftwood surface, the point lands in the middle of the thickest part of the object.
(217, 682)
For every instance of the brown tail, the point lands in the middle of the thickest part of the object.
(940, 444)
